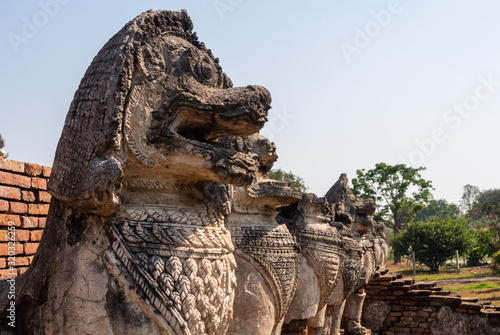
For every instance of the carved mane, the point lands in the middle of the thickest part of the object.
(87, 170)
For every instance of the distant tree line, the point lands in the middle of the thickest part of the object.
(432, 228)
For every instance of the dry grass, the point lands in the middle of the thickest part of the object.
(482, 289)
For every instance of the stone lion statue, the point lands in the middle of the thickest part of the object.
(135, 241)
(163, 219)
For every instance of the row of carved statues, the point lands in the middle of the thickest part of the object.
(163, 219)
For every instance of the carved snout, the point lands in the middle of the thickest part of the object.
(218, 113)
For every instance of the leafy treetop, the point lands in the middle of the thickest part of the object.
(295, 181)
(439, 208)
(398, 190)
(435, 241)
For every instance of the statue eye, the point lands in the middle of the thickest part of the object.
(205, 70)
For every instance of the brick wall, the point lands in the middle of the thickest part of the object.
(24, 203)
(414, 307)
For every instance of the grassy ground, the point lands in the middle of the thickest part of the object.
(486, 290)
(481, 288)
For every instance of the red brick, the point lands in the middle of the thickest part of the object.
(33, 170)
(12, 179)
(409, 303)
(22, 261)
(41, 222)
(376, 287)
(38, 209)
(6, 218)
(3, 263)
(424, 303)
(387, 277)
(7, 273)
(22, 235)
(383, 283)
(4, 249)
(446, 300)
(30, 248)
(39, 183)
(400, 329)
(28, 196)
(379, 297)
(4, 235)
(4, 206)
(471, 305)
(10, 165)
(8, 192)
(420, 313)
(20, 271)
(18, 207)
(36, 235)
(44, 196)
(30, 258)
(46, 171)
(29, 222)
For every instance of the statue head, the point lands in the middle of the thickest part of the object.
(156, 101)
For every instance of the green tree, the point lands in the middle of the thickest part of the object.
(487, 203)
(295, 181)
(485, 244)
(435, 241)
(469, 197)
(485, 213)
(399, 192)
(440, 208)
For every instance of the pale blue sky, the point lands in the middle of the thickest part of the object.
(331, 114)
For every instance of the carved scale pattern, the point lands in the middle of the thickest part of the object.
(186, 272)
(353, 266)
(274, 252)
(325, 252)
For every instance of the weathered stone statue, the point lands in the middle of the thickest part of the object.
(266, 253)
(365, 253)
(338, 257)
(162, 218)
(321, 259)
(135, 241)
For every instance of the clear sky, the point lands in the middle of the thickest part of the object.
(354, 83)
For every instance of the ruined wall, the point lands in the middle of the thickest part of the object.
(399, 306)
(24, 200)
